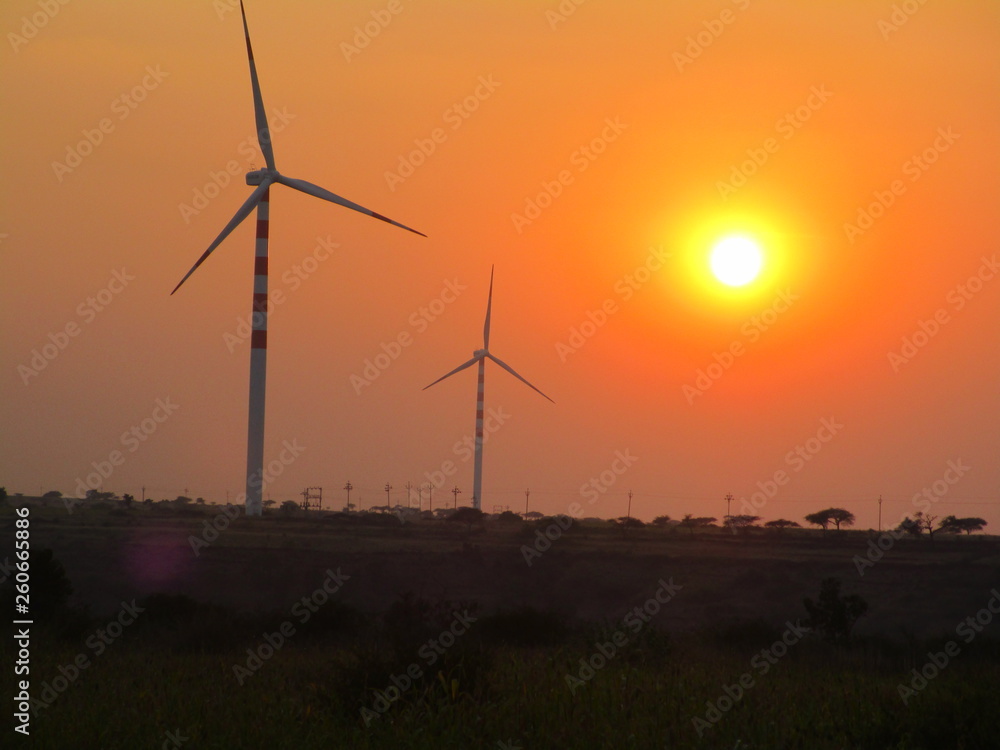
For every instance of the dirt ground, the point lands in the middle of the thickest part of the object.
(917, 588)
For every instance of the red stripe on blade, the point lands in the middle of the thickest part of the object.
(258, 340)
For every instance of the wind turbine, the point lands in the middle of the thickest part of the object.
(259, 198)
(480, 356)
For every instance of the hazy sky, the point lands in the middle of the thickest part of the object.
(593, 154)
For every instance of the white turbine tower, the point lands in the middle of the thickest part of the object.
(259, 198)
(480, 356)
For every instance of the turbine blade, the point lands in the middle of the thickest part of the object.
(489, 308)
(243, 212)
(315, 190)
(263, 131)
(457, 369)
(509, 369)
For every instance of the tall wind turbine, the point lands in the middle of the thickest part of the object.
(480, 356)
(259, 198)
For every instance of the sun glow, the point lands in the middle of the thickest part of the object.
(736, 261)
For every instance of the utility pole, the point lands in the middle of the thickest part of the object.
(456, 492)
(880, 513)
(729, 499)
(628, 513)
(348, 487)
(144, 494)
(388, 502)
(527, 493)
(409, 495)
(430, 497)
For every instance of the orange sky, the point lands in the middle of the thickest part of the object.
(833, 99)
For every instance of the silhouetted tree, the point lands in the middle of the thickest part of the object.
(52, 495)
(820, 518)
(182, 500)
(127, 500)
(627, 522)
(288, 507)
(3, 494)
(661, 521)
(833, 616)
(910, 526)
(691, 522)
(468, 516)
(925, 521)
(952, 525)
(781, 524)
(839, 516)
(741, 523)
(508, 517)
(836, 516)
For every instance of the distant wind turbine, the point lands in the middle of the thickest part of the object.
(259, 198)
(480, 356)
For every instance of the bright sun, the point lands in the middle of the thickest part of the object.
(736, 261)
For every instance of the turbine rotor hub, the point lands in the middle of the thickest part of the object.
(258, 176)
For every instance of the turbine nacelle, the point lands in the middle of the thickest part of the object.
(259, 175)
(480, 353)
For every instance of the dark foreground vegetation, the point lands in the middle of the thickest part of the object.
(318, 670)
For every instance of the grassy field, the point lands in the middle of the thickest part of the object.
(438, 637)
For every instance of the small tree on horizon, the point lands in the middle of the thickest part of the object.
(952, 525)
(740, 523)
(661, 521)
(836, 516)
(690, 522)
(467, 515)
(781, 524)
(819, 518)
